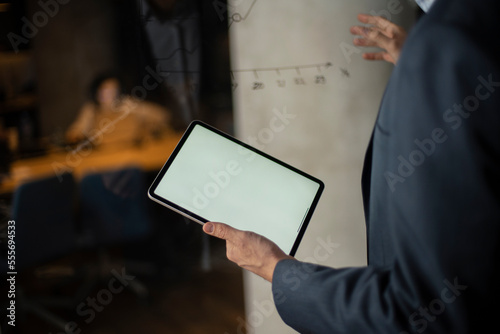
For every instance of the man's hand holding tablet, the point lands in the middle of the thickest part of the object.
(264, 205)
(249, 250)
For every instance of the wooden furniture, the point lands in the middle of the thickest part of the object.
(84, 159)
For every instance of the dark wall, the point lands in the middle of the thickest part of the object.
(75, 44)
(73, 41)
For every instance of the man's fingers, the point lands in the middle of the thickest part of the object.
(372, 36)
(374, 56)
(364, 42)
(379, 22)
(379, 56)
(376, 36)
(358, 30)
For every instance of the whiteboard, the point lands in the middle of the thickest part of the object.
(302, 92)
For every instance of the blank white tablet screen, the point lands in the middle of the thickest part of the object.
(222, 181)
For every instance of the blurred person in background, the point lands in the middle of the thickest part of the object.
(112, 117)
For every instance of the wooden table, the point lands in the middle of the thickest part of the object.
(82, 160)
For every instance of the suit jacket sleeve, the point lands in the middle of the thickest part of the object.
(433, 222)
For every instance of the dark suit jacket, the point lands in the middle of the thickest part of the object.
(431, 188)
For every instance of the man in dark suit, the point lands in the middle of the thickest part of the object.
(431, 188)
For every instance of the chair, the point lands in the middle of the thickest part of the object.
(113, 211)
(44, 215)
(43, 211)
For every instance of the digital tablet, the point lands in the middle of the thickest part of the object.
(212, 176)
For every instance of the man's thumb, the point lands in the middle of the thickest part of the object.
(218, 230)
(209, 228)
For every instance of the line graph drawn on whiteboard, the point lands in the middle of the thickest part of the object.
(285, 76)
(246, 18)
(238, 10)
(236, 16)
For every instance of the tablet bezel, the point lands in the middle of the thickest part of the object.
(193, 216)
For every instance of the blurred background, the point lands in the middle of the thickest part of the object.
(94, 96)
